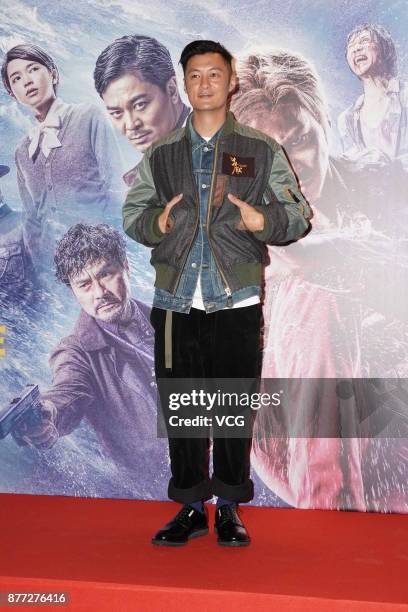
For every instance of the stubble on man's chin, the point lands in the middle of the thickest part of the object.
(119, 315)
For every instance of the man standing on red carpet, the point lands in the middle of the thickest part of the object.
(208, 198)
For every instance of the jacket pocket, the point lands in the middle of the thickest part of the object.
(178, 215)
(171, 249)
(219, 191)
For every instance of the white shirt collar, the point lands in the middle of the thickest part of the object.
(50, 128)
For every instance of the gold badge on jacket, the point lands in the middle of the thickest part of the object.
(238, 166)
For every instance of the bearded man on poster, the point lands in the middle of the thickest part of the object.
(208, 198)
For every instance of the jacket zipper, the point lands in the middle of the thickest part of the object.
(227, 288)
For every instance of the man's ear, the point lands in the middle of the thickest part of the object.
(233, 84)
(172, 89)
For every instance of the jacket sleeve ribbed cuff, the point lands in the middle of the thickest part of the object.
(265, 233)
(155, 235)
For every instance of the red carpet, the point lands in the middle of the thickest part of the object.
(99, 552)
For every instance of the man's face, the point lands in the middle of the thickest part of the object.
(30, 82)
(142, 111)
(208, 82)
(303, 139)
(363, 54)
(103, 290)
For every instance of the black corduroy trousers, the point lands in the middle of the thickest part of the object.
(223, 344)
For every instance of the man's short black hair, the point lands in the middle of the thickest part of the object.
(141, 55)
(85, 245)
(199, 47)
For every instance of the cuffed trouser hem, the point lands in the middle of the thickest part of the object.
(200, 491)
(236, 493)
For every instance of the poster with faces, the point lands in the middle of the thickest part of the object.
(83, 96)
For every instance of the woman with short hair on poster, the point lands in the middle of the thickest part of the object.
(68, 166)
(374, 128)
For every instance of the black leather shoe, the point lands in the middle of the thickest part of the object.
(229, 527)
(188, 523)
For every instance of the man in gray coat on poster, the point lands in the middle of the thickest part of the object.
(103, 370)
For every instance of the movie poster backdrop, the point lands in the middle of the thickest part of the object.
(78, 409)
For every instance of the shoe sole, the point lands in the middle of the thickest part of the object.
(232, 544)
(195, 534)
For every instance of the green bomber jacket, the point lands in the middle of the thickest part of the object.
(248, 164)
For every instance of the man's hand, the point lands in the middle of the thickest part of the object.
(253, 220)
(162, 220)
(41, 436)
